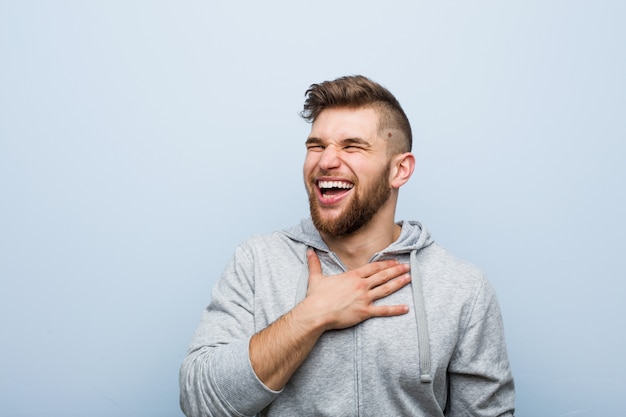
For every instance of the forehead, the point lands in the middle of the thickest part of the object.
(341, 123)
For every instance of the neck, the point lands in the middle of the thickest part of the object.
(358, 248)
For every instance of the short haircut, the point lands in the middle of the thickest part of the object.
(357, 91)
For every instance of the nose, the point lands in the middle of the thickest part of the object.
(330, 158)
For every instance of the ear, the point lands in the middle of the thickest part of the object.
(402, 168)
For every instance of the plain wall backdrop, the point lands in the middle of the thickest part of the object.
(141, 141)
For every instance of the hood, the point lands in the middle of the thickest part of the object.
(413, 237)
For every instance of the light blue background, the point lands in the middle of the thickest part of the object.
(140, 141)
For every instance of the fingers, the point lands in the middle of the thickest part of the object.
(390, 286)
(386, 282)
(388, 311)
(386, 274)
(393, 284)
(380, 278)
(375, 267)
(366, 271)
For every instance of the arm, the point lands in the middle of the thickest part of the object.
(218, 353)
(481, 383)
(231, 371)
(333, 302)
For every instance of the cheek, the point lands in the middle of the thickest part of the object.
(310, 162)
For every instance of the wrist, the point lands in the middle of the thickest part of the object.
(307, 317)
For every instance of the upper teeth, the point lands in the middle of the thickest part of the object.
(335, 184)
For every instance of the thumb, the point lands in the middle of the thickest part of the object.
(315, 267)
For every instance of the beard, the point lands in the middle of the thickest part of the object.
(360, 210)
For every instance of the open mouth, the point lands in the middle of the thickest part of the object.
(330, 190)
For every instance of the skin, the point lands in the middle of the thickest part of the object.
(344, 145)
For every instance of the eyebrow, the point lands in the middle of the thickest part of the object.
(343, 142)
(313, 141)
(354, 141)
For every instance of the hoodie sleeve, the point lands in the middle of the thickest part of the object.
(481, 382)
(216, 377)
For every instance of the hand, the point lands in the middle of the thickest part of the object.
(332, 302)
(347, 299)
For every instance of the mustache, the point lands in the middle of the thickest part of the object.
(327, 173)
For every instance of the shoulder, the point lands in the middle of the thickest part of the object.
(273, 249)
(437, 260)
(455, 288)
(445, 276)
(275, 241)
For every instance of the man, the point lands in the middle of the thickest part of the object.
(350, 313)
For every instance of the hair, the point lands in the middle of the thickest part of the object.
(357, 91)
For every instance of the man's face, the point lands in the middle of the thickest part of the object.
(346, 170)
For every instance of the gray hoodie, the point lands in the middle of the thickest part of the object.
(447, 357)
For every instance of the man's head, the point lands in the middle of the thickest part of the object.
(358, 154)
(358, 91)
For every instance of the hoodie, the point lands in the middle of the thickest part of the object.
(447, 357)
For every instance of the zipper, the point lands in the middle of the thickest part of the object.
(356, 337)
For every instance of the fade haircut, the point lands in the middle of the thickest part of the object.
(357, 91)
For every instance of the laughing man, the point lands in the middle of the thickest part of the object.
(350, 313)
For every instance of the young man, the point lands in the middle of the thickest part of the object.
(350, 313)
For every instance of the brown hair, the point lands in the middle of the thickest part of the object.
(357, 91)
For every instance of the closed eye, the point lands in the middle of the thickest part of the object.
(354, 144)
(314, 144)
